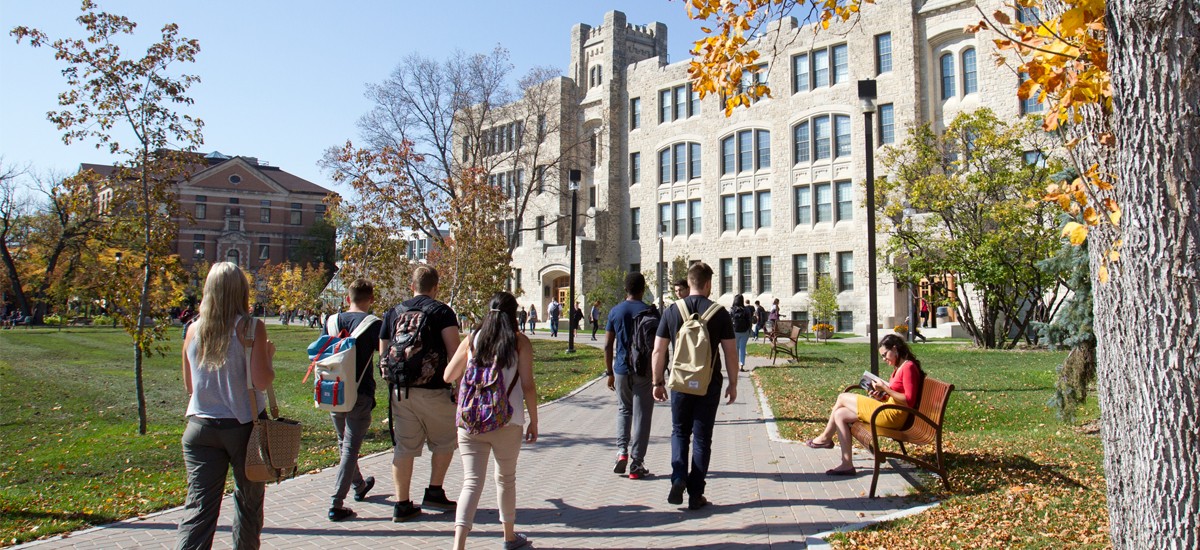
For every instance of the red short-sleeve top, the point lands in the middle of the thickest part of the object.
(906, 379)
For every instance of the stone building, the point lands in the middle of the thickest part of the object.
(772, 196)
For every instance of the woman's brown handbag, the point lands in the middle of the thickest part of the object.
(274, 444)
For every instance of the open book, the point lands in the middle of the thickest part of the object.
(868, 380)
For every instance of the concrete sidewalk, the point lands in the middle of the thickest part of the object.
(765, 493)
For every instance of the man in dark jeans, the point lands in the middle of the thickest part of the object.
(635, 404)
(693, 416)
(352, 426)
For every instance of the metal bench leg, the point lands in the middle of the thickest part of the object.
(875, 476)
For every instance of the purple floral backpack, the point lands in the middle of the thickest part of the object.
(483, 397)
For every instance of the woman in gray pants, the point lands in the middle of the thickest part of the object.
(219, 412)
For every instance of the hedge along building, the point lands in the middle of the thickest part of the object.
(771, 197)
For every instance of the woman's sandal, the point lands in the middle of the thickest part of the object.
(812, 443)
(834, 472)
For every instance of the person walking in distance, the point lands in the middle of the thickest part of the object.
(760, 318)
(742, 318)
(575, 319)
(351, 427)
(595, 318)
(554, 311)
(635, 402)
(522, 317)
(533, 319)
(414, 343)
(681, 289)
(219, 412)
(693, 416)
(484, 427)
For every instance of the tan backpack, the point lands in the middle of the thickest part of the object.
(691, 368)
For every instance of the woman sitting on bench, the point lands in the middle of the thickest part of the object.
(902, 389)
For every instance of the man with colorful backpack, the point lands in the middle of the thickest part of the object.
(352, 426)
(414, 346)
(627, 349)
(701, 330)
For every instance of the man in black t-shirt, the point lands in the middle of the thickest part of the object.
(423, 414)
(352, 426)
(693, 416)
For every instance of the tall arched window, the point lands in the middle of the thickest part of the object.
(947, 62)
(970, 75)
(233, 257)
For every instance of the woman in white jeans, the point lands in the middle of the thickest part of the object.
(496, 339)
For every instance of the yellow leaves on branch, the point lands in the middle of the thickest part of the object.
(724, 54)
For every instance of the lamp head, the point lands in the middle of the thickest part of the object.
(867, 92)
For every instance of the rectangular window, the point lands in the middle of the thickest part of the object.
(883, 53)
(694, 103)
(745, 151)
(681, 218)
(800, 273)
(664, 106)
(800, 73)
(947, 65)
(264, 252)
(803, 199)
(845, 271)
(681, 102)
(635, 168)
(822, 266)
(694, 157)
(695, 213)
(635, 223)
(664, 166)
(824, 202)
(970, 76)
(764, 274)
(841, 64)
(727, 156)
(728, 214)
(680, 151)
(1031, 105)
(295, 214)
(800, 317)
(845, 321)
(592, 196)
(201, 208)
(744, 282)
(664, 219)
(264, 211)
(635, 113)
(726, 275)
(821, 131)
(820, 68)
(1035, 158)
(841, 126)
(635, 268)
(764, 209)
(540, 230)
(887, 124)
(763, 139)
(845, 201)
(801, 146)
(198, 248)
(320, 210)
(746, 211)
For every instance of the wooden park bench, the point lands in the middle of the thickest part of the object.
(81, 321)
(924, 427)
(785, 340)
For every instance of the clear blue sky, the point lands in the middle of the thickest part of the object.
(284, 80)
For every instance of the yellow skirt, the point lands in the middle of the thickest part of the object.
(891, 418)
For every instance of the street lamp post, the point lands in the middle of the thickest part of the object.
(912, 321)
(662, 236)
(575, 176)
(866, 95)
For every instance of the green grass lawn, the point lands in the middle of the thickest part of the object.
(1019, 476)
(68, 423)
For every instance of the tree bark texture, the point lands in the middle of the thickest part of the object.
(1148, 315)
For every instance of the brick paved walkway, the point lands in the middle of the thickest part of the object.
(765, 494)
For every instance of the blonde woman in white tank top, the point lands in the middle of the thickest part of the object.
(497, 337)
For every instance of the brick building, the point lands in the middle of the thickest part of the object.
(245, 212)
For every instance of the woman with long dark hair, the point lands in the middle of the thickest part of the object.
(496, 340)
(219, 412)
(904, 388)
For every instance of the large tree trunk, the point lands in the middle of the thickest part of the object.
(1147, 322)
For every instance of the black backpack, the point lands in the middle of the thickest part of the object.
(641, 346)
(741, 319)
(409, 360)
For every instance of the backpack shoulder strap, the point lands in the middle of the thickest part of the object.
(683, 311)
(364, 325)
(708, 313)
